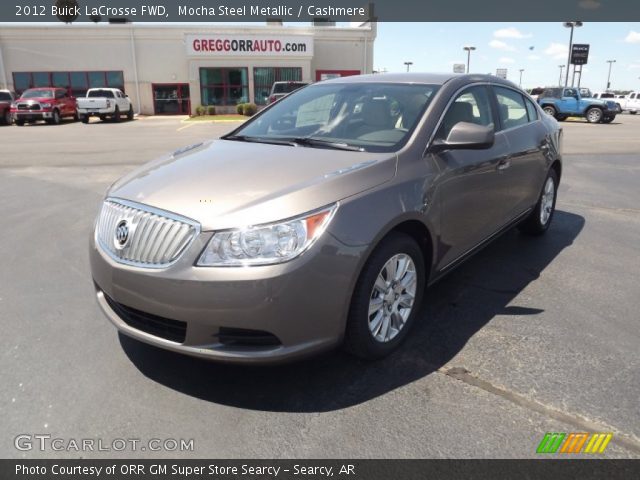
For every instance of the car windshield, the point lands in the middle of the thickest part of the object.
(5, 97)
(38, 93)
(375, 117)
(286, 87)
(100, 93)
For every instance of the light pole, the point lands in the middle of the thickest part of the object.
(469, 49)
(610, 62)
(570, 25)
(561, 67)
(408, 64)
(521, 70)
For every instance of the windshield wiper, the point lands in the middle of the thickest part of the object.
(271, 141)
(319, 142)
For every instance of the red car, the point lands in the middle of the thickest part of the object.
(48, 104)
(6, 99)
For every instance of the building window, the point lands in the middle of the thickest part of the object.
(76, 83)
(224, 86)
(264, 78)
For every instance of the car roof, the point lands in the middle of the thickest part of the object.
(421, 78)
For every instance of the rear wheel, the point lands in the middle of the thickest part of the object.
(594, 115)
(386, 299)
(550, 110)
(85, 118)
(540, 218)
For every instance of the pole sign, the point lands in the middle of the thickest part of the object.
(459, 68)
(501, 73)
(579, 54)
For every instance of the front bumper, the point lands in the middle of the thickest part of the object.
(302, 303)
(32, 115)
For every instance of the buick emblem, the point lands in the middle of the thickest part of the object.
(121, 236)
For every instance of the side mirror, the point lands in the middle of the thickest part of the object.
(466, 136)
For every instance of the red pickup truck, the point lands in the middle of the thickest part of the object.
(6, 99)
(48, 104)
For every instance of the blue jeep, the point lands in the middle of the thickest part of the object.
(563, 103)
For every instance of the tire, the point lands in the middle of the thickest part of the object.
(633, 113)
(608, 119)
(7, 119)
(85, 118)
(116, 115)
(130, 113)
(387, 321)
(76, 117)
(537, 223)
(550, 110)
(55, 119)
(593, 115)
(20, 123)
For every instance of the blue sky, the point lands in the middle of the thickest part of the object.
(538, 48)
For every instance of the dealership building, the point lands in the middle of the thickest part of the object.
(174, 68)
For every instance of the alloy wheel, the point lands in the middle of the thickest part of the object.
(392, 297)
(546, 202)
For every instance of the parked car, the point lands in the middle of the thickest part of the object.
(321, 220)
(103, 103)
(562, 103)
(7, 97)
(281, 89)
(49, 104)
(630, 103)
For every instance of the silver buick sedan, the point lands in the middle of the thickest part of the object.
(321, 221)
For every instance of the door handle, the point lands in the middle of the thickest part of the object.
(503, 164)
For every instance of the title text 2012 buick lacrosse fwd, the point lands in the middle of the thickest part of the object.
(321, 221)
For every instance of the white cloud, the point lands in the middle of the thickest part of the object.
(589, 4)
(633, 37)
(510, 32)
(505, 60)
(558, 51)
(501, 46)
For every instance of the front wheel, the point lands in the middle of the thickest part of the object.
(55, 118)
(386, 299)
(540, 218)
(594, 115)
(116, 115)
(6, 118)
(130, 113)
(549, 110)
(20, 123)
(84, 118)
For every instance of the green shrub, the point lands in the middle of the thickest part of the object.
(249, 109)
(200, 110)
(211, 110)
(240, 108)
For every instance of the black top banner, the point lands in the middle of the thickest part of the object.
(179, 11)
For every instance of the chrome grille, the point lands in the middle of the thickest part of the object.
(154, 238)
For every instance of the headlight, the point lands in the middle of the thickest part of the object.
(266, 244)
(14, 106)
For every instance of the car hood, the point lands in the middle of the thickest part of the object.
(225, 184)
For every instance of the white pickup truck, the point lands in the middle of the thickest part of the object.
(103, 103)
(630, 103)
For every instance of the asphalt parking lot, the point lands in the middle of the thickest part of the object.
(530, 336)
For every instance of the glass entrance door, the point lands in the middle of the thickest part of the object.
(171, 99)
